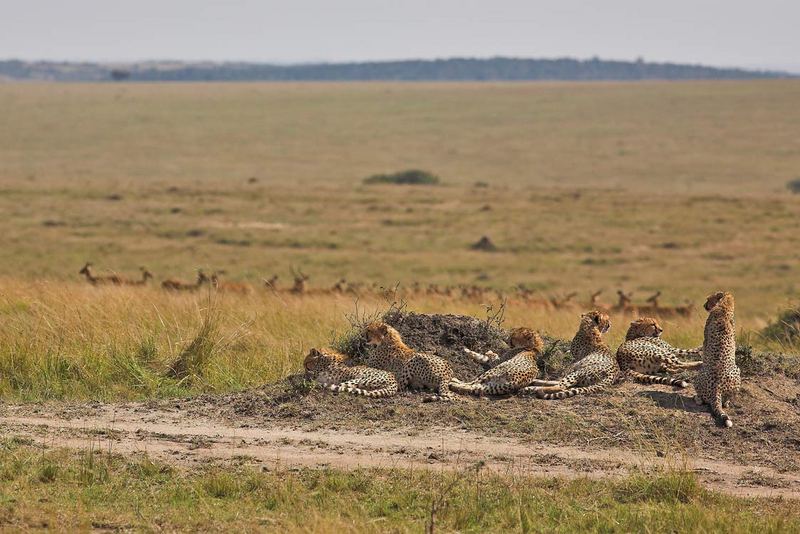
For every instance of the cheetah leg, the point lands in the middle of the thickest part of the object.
(443, 393)
(465, 388)
(486, 359)
(538, 382)
(655, 379)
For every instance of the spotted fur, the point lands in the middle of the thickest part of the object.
(413, 370)
(719, 378)
(644, 353)
(510, 372)
(329, 369)
(596, 367)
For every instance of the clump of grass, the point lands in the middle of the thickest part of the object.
(793, 186)
(191, 363)
(407, 177)
(786, 328)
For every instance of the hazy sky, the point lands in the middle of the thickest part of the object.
(752, 33)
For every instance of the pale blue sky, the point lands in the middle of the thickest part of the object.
(761, 33)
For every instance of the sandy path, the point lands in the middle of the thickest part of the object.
(174, 437)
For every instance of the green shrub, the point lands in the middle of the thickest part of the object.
(793, 185)
(408, 177)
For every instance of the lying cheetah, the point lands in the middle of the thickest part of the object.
(596, 368)
(514, 370)
(413, 370)
(644, 353)
(328, 368)
(719, 379)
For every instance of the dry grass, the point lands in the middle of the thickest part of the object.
(95, 490)
(72, 340)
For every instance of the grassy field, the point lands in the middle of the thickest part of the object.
(644, 186)
(677, 187)
(97, 490)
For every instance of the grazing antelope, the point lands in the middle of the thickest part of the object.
(172, 284)
(562, 303)
(146, 275)
(95, 280)
(300, 282)
(233, 287)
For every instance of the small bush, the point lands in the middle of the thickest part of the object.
(793, 185)
(408, 177)
(786, 329)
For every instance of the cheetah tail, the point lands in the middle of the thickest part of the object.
(371, 393)
(719, 412)
(571, 392)
(654, 379)
(697, 351)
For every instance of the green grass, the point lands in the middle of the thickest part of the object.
(91, 488)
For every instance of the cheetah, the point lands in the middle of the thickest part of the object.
(596, 367)
(719, 379)
(510, 372)
(644, 353)
(413, 370)
(328, 368)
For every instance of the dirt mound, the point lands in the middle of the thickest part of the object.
(448, 335)
(485, 244)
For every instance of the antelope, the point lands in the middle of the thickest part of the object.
(172, 284)
(624, 304)
(272, 283)
(234, 287)
(300, 282)
(95, 280)
(146, 275)
(561, 303)
(340, 286)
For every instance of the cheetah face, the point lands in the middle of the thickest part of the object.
(376, 333)
(713, 299)
(314, 362)
(599, 320)
(645, 327)
(525, 338)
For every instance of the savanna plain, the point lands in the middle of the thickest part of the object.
(135, 408)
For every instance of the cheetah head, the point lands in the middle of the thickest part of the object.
(526, 338)
(644, 327)
(318, 360)
(376, 332)
(596, 319)
(314, 362)
(714, 299)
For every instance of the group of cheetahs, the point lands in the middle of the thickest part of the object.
(391, 366)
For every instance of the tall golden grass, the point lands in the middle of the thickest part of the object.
(72, 340)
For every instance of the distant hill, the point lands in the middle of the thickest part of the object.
(456, 69)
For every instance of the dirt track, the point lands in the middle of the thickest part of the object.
(177, 433)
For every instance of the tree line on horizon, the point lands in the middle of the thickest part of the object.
(456, 69)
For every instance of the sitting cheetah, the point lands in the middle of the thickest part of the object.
(719, 379)
(413, 370)
(596, 367)
(644, 353)
(514, 370)
(328, 368)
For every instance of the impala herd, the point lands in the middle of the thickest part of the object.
(300, 286)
